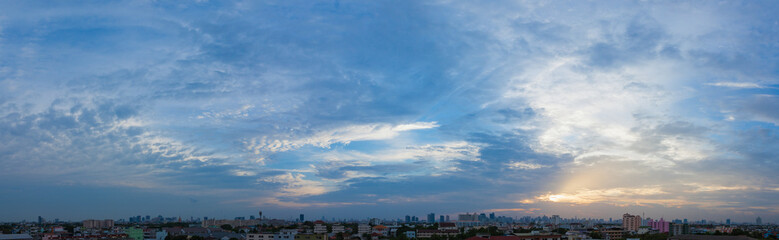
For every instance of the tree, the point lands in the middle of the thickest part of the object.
(737, 232)
(227, 227)
(195, 238)
(561, 231)
(596, 235)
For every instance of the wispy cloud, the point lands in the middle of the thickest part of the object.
(737, 84)
(343, 135)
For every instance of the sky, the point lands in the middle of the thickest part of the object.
(356, 109)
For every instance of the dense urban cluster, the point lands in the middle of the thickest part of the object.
(468, 226)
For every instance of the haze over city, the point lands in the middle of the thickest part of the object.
(358, 109)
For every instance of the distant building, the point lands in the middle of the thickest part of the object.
(679, 229)
(447, 226)
(468, 217)
(241, 222)
(311, 237)
(160, 235)
(759, 221)
(428, 233)
(286, 234)
(338, 228)
(320, 227)
(411, 234)
(134, 233)
(631, 223)
(441, 219)
(660, 225)
(431, 217)
(381, 230)
(363, 228)
(408, 219)
(97, 224)
(612, 233)
(302, 218)
(727, 221)
(375, 221)
(261, 236)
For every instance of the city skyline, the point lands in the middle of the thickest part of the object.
(377, 109)
(641, 220)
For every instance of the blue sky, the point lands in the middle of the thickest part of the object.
(384, 108)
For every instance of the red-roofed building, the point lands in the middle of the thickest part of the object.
(381, 229)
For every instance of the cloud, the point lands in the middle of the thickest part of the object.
(736, 85)
(343, 135)
(294, 185)
(525, 165)
(421, 107)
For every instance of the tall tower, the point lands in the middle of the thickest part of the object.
(759, 221)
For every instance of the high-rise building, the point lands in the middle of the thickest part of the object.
(467, 217)
(302, 218)
(631, 222)
(492, 216)
(408, 219)
(679, 229)
(441, 219)
(727, 221)
(40, 220)
(759, 221)
(431, 218)
(660, 225)
(447, 218)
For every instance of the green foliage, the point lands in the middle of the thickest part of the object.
(738, 232)
(596, 235)
(227, 227)
(179, 237)
(657, 236)
(6, 229)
